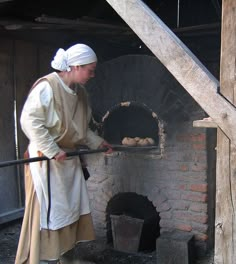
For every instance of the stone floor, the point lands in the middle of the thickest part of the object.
(95, 252)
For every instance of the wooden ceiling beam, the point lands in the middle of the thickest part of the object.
(4, 1)
(47, 22)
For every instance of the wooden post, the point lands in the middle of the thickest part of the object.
(180, 61)
(225, 231)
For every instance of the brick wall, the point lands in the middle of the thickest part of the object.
(176, 184)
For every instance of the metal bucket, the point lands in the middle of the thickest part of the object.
(126, 232)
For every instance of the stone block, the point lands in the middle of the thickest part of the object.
(175, 248)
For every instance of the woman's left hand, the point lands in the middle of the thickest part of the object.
(105, 144)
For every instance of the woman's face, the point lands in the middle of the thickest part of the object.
(85, 72)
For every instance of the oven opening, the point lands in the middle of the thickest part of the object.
(136, 207)
(131, 120)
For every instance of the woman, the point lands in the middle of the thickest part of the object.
(55, 119)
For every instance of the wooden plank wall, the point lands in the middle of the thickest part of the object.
(8, 185)
(225, 232)
(31, 62)
(21, 62)
(25, 62)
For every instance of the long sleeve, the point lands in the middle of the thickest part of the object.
(39, 120)
(93, 140)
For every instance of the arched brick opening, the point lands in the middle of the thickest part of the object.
(130, 119)
(136, 206)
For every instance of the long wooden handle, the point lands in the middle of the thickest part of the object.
(81, 152)
(68, 154)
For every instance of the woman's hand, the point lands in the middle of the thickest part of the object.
(60, 156)
(105, 144)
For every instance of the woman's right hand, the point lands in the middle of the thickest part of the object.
(105, 144)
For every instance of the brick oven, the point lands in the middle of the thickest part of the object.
(171, 184)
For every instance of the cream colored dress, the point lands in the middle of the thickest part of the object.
(56, 117)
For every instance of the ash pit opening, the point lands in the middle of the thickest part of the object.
(139, 207)
(130, 119)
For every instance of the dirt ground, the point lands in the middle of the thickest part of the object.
(94, 252)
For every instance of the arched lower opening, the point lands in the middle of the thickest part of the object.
(139, 207)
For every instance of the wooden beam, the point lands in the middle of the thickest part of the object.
(225, 222)
(224, 235)
(46, 22)
(80, 22)
(206, 122)
(180, 61)
(199, 30)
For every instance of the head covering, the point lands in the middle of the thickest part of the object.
(79, 54)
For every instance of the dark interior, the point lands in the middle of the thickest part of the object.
(136, 206)
(134, 120)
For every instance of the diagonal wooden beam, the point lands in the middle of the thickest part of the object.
(180, 61)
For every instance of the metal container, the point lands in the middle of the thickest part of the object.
(126, 232)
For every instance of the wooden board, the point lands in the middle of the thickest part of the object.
(208, 123)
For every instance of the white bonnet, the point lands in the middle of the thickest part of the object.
(79, 54)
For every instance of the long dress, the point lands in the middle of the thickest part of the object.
(55, 218)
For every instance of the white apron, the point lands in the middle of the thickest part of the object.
(68, 191)
(65, 115)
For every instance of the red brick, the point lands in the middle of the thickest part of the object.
(199, 227)
(183, 215)
(166, 215)
(183, 137)
(184, 167)
(163, 207)
(202, 219)
(182, 187)
(198, 207)
(191, 137)
(195, 176)
(166, 223)
(202, 187)
(180, 205)
(198, 137)
(202, 237)
(173, 194)
(200, 157)
(199, 167)
(195, 197)
(190, 216)
(178, 186)
(184, 227)
(199, 146)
